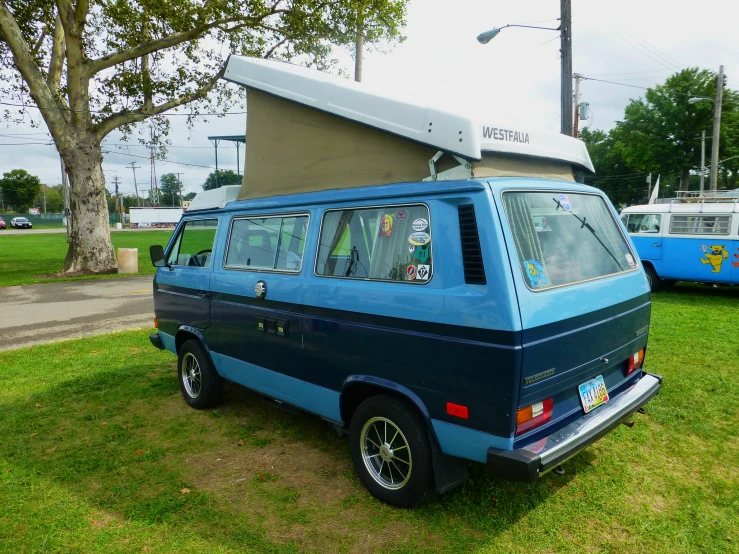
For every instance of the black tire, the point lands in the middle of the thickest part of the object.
(200, 384)
(655, 283)
(392, 486)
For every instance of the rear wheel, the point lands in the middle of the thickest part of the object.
(655, 283)
(200, 384)
(391, 451)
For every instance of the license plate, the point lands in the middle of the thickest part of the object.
(593, 393)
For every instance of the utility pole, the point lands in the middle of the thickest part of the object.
(67, 211)
(359, 47)
(576, 122)
(116, 181)
(566, 50)
(44, 189)
(716, 128)
(179, 188)
(703, 158)
(135, 185)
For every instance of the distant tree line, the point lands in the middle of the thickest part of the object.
(661, 134)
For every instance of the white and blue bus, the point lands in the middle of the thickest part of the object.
(686, 242)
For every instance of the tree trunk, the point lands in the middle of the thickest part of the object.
(90, 249)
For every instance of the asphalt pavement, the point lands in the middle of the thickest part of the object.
(33, 314)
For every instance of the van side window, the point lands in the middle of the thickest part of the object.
(391, 243)
(700, 224)
(267, 243)
(194, 245)
(643, 223)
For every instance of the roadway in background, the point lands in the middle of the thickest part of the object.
(34, 314)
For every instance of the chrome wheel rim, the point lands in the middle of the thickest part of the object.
(386, 453)
(191, 376)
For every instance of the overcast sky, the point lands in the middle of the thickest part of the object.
(632, 42)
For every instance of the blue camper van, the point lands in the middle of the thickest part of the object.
(443, 301)
(686, 241)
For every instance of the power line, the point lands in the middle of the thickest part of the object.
(57, 108)
(613, 82)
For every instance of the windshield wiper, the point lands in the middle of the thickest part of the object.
(586, 225)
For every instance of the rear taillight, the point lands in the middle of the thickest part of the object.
(533, 416)
(156, 323)
(635, 362)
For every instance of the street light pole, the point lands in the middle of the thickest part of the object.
(716, 128)
(566, 66)
(703, 158)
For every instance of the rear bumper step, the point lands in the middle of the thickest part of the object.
(156, 341)
(529, 462)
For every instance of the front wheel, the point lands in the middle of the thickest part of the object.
(391, 451)
(200, 384)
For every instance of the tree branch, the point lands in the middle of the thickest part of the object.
(57, 57)
(112, 122)
(115, 58)
(31, 74)
(39, 43)
(275, 47)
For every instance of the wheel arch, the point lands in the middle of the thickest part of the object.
(185, 333)
(357, 388)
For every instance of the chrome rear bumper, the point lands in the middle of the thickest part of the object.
(529, 462)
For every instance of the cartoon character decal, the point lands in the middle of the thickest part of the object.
(535, 273)
(386, 225)
(715, 255)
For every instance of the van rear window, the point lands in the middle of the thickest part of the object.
(565, 238)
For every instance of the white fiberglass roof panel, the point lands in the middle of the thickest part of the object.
(442, 129)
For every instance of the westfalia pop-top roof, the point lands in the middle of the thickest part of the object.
(309, 130)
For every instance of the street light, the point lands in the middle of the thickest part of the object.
(699, 99)
(566, 70)
(487, 36)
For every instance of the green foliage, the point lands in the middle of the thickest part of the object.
(170, 190)
(225, 178)
(189, 196)
(661, 132)
(19, 189)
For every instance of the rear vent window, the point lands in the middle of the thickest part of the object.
(474, 271)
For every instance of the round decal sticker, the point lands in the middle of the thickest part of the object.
(630, 260)
(420, 224)
(410, 272)
(411, 249)
(401, 214)
(419, 239)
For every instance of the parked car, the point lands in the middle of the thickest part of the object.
(488, 308)
(21, 223)
(2, 223)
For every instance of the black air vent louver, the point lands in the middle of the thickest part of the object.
(474, 271)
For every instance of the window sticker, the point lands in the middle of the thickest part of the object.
(421, 254)
(411, 249)
(420, 224)
(410, 272)
(401, 214)
(419, 239)
(541, 224)
(630, 260)
(535, 273)
(565, 202)
(386, 225)
(423, 272)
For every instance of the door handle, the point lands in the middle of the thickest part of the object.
(658, 244)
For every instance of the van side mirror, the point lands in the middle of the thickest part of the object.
(156, 252)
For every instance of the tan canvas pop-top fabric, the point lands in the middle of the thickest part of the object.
(292, 148)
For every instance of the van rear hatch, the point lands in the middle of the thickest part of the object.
(584, 305)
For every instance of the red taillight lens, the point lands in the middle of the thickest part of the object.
(635, 361)
(533, 416)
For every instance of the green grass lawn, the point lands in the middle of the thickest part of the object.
(99, 453)
(24, 259)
